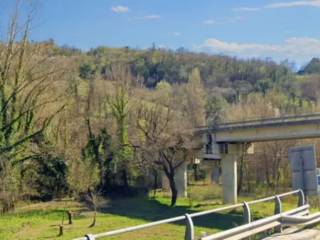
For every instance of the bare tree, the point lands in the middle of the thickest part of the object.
(119, 104)
(166, 140)
(274, 157)
(24, 84)
(243, 166)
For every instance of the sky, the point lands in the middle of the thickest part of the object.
(280, 29)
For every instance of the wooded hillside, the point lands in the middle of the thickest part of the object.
(111, 121)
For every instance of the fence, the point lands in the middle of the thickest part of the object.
(276, 221)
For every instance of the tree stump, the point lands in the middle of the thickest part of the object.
(69, 213)
(94, 220)
(60, 230)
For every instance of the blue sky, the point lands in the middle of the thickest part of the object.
(279, 29)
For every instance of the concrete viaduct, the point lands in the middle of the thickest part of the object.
(226, 140)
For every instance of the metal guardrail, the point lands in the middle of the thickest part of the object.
(188, 218)
(250, 228)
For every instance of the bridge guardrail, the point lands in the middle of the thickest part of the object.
(263, 121)
(189, 231)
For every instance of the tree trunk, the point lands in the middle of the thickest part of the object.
(173, 188)
(155, 182)
(102, 175)
(69, 213)
(60, 230)
(195, 172)
(241, 170)
(125, 180)
(278, 173)
(267, 173)
(94, 219)
(169, 170)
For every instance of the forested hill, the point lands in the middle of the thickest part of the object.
(313, 67)
(232, 76)
(225, 76)
(104, 119)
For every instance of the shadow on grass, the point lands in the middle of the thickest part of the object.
(153, 210)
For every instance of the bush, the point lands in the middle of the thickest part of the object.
(52, 177)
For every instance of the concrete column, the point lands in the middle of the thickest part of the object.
(215, 174)
(229, 173)
(181, 178)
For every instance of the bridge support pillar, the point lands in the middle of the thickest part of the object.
(230, 155)
(182, 180)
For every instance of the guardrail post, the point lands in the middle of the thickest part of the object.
(301, 198)
(89, 237)
(189, 232)
(246, 213)
(277, 210)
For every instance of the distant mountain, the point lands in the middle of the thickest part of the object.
(313, 67)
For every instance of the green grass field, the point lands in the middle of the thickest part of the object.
(41, 220)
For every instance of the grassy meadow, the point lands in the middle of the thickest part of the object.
(42, 220)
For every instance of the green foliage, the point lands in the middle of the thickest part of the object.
(264, 85)
(179, 90)
(119, 104)
(9, 184)
(155, 65)
(214, 108)
(44, 175)
(87, 70)
(97, 157)
(52, 176)
(23, 84)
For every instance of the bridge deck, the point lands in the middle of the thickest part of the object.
(267, 122)
(282, 128)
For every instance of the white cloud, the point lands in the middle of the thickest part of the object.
(289, 4)
(120, 9)
(300, 49)
(245, 9)
(209, 22)
(152, 17)
(146, 17)
(227, 20)
(307, 3)
(176, 34)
